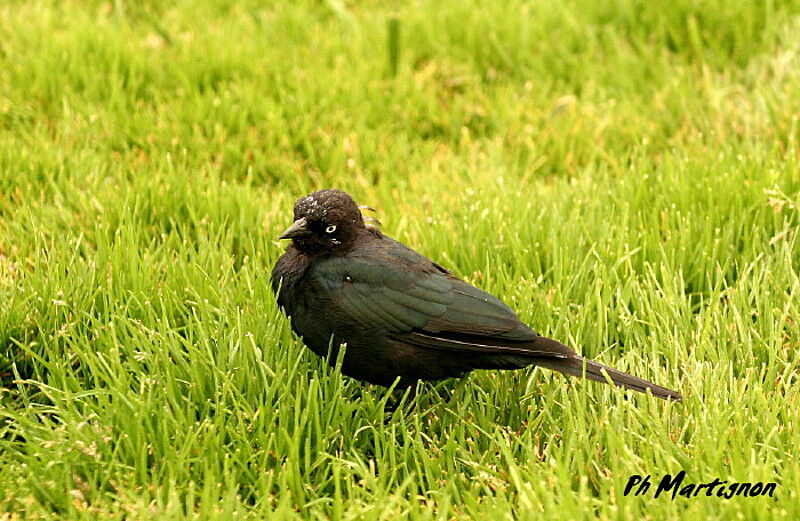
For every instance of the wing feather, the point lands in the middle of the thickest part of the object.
(418, 304)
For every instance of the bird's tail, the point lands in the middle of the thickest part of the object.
(576, 365)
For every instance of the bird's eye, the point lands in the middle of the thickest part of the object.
(330, 229)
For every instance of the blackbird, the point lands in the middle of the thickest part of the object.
(401, 315)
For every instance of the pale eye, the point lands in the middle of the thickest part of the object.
(330, 229)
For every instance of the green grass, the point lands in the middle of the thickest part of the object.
(624, 174)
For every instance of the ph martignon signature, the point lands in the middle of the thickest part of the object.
(640, 486)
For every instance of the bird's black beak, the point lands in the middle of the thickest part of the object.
(297, 229)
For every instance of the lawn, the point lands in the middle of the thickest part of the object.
(624, 174)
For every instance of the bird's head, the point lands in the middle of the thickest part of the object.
(324, 222)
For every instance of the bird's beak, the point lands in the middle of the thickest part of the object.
(297, 229)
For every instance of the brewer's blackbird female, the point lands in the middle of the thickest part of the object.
(400, 314)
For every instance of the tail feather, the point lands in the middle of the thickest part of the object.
(602, 373)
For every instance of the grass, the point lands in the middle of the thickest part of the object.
(625, 175)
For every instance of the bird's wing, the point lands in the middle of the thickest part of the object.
(413, 301)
